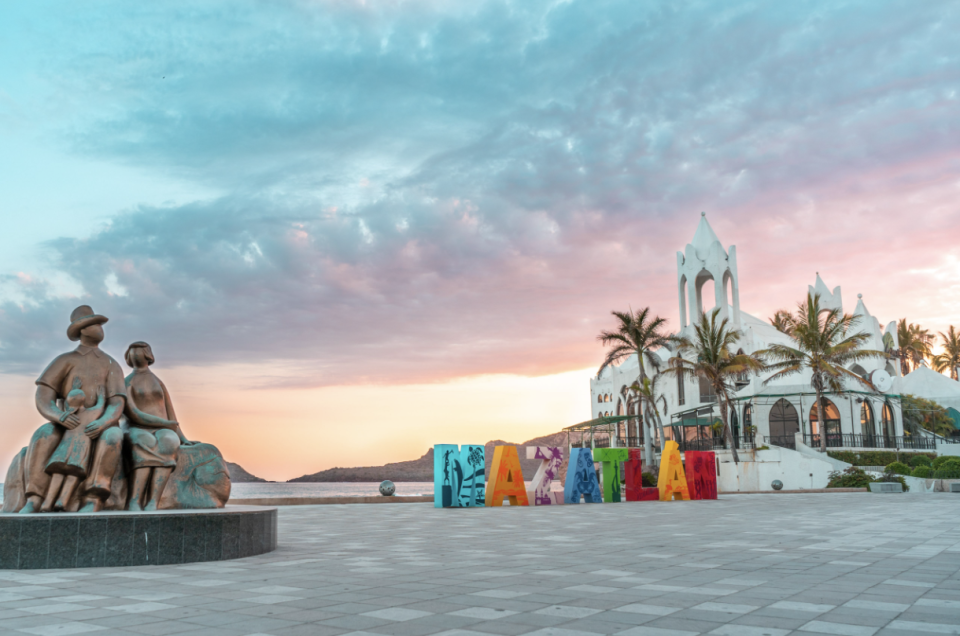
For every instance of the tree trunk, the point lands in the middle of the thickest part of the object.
(727, 433)
(821, 422)
(660, 427)
(647, 441)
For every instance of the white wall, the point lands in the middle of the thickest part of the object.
(757, 471)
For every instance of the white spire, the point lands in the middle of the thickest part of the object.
(704, 236)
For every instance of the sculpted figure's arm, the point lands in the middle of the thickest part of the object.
(47, 405)
(110, 417)
(146, 420)
(173, 416)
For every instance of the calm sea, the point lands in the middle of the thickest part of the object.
(331, 489)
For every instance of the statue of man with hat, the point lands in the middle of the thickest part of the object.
(92, 369)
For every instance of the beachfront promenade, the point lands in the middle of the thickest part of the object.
(854, 564)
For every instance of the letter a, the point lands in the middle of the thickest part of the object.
(581, 478)
(610, 459)
(672, 482)
(506, 478)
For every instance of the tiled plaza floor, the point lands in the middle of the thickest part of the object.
(855, 564)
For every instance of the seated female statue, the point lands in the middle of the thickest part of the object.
(151, 431)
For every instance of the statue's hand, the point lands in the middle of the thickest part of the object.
(70, 420)
(93, 429)
(187, 442)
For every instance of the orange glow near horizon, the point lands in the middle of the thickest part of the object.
(281, 433)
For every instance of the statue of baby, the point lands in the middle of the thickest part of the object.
(68, 464)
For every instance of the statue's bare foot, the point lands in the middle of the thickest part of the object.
(60, 506)
(30, 508)
(151, 506)
(134, 506)
(92, 505)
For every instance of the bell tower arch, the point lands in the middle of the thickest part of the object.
(704, 259)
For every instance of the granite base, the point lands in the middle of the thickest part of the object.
(114, 539)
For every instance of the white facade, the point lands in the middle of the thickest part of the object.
(782, 408)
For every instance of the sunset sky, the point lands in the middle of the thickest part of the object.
(351, 230)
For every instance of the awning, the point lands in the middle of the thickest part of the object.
(600, 421)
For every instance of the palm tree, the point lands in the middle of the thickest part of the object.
(824, 346)
(637, 334)
(708, 357)
(950, 358)
(781, 321)
(914, 345)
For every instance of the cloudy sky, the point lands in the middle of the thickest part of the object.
(351, 230)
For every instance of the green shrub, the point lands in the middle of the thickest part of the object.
(877, 457)
(649, 480)
(924, 472)
(889, 477)
(898, 468)
(949, 471)
(920, 460)
(852, 477)
(943, 459)
(845, 456)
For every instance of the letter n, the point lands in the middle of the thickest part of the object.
(581, 478)
(506, 478)
(672, 482)
(610, 459)
(701, 468)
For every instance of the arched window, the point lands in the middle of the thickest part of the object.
(706, 392)
(747, 418)
(606, 397)
(859, 371)
(784, 422)
(831, 420)
(889, 427)
(681, 394)
(867, 427)
(600, 399)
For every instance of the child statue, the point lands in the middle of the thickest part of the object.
(68, 464)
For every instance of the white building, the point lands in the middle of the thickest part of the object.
(782, 409)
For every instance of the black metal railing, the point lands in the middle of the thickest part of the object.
(855, 440)
(783, 441)
(701, 444)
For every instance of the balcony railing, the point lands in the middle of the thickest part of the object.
(701, 444)
(854, 440)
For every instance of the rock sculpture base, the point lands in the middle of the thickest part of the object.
(201, 480)
(114, 539)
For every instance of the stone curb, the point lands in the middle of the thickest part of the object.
(792, 492)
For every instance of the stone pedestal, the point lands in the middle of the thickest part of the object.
(112, 539)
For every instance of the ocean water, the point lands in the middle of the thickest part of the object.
(331, 489)
(325, 489)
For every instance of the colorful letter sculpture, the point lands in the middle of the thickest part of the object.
(539, 492)
(702, 474)
(581, 478)
(458, 476)
(610, 459)
(672, 482)
(634, 477)
(506, 478)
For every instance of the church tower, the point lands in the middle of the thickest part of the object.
(702, 260)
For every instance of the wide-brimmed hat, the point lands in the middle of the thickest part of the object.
(82, 317)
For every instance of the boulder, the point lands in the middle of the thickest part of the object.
(200, 480)
(13, 485)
